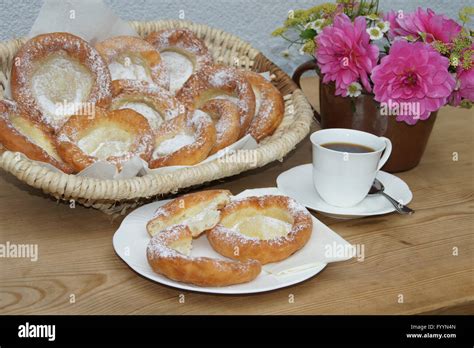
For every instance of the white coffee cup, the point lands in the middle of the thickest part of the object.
(343, 179)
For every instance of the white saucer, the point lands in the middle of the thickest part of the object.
(298, 184)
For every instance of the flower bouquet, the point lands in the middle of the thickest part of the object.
(374, 65)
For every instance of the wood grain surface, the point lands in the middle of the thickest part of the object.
(78, 272)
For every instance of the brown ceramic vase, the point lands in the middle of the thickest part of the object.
(363, 113)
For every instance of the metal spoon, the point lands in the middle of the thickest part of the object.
(378, 188)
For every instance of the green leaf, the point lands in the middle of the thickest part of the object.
(308, 34)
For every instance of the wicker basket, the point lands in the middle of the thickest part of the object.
(117, 196)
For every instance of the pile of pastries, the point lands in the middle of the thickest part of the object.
(249, 232)
(161, 98)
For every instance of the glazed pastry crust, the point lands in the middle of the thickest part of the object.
(79, 126)
(226, 241)
(215, 81)
(76, 49)
(201, 127)
(183, 41)
(271, 107)
(181, 209)
(225, 115)
(160, 99)
(14, 139)
(119, 46)
(201, 271)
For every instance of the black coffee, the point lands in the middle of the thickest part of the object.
(348, 147)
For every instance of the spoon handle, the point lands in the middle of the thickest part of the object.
(402, 209)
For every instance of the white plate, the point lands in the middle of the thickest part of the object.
(302, 189)
(131, 239)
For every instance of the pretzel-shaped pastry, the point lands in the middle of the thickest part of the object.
(270, 106)
(152, 101)
(199, 211)
(19, 133)
(52, 68)
(114, 136)
(168, 254)
(183, 53)
(220, 81)
(183, 140)
(225, 115)
(267, 229)
(132, 58)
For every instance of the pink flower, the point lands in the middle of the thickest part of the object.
(464, 83)
(415, 77)
(464, 87)
(436, 27)
(344, 53)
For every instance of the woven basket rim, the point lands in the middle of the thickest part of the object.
(67, 186)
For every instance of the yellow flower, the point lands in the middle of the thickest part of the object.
(309, 47)
(279, 31)
(466, 13)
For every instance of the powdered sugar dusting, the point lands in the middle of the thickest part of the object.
(128, 70)
(172, 145)
(159, 245)
(105, 142)
(31, 57)
(153, 117)
(172, 243)
(260, 227)
(199, 119)
(180, 68)
(59, 80)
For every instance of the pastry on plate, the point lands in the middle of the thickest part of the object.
(199, 211)
(267, 228)
(168, 253)
(56, 75)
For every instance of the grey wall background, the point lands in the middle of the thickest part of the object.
(252, 20)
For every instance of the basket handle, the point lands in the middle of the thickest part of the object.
(307, 66)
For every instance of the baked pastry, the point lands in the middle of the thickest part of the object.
(267, 229)
(225, 115)
(168, 254)
(199, 211)
(58, 74)
(150, 100)
(269, 109)
(220, 81)
(19, 133)
(183, 53)
(130, 57)
(113, 136)
(183, 140)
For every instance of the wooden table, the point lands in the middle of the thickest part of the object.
(78, 271)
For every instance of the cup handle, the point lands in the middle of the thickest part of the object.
(386, 153)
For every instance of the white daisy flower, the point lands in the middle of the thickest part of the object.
(354, 89)
(384, 26)
(302, 51)
(375, 33)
